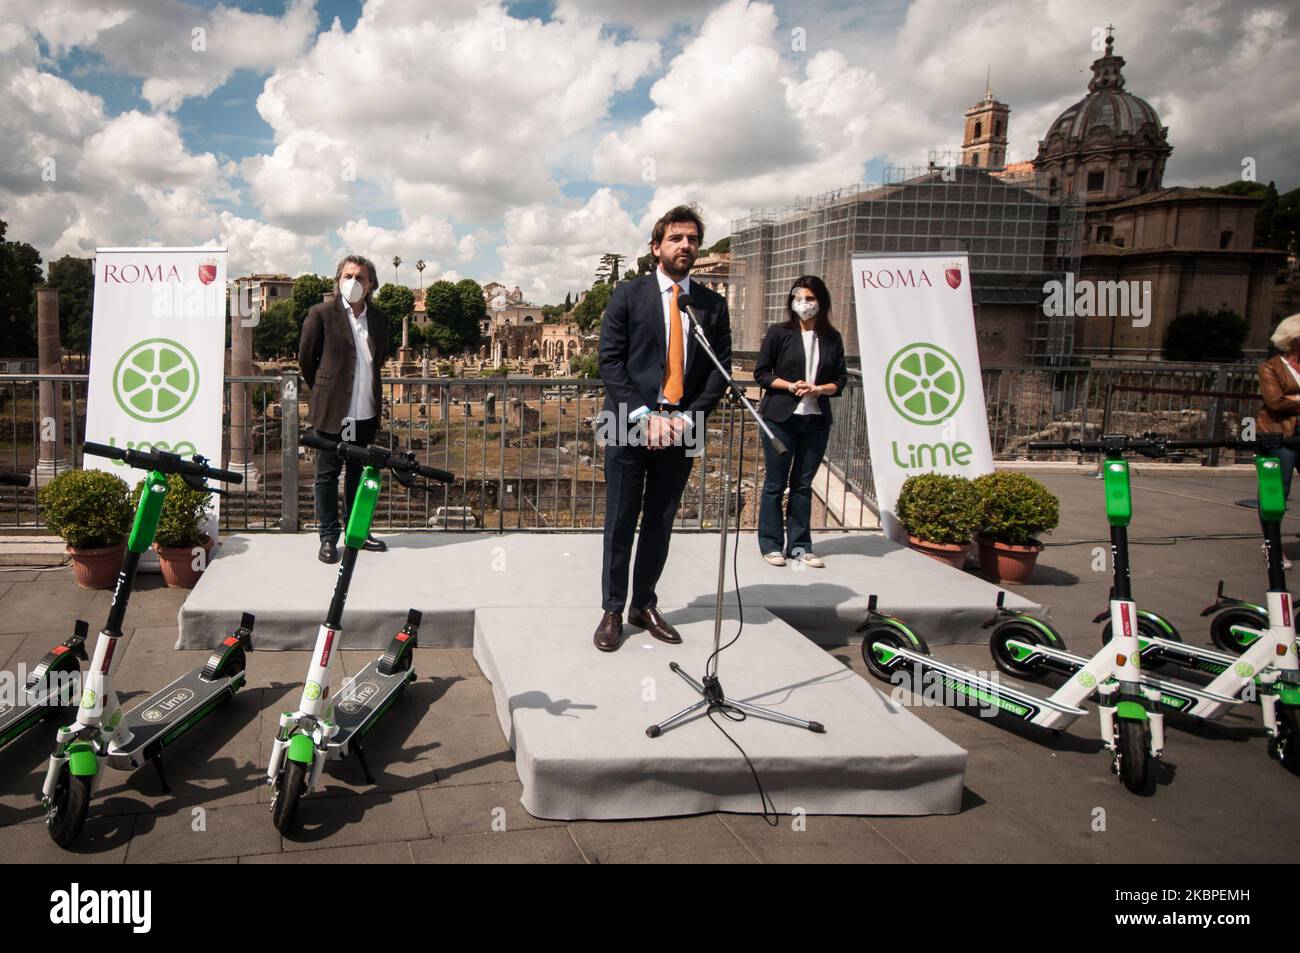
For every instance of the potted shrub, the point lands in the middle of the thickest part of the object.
(939, 513)
(91, 511)
(180, 540)
(1015, 509)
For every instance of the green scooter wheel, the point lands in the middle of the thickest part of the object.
(289, 790)
(1221, 625)
(66, 815)
(1134, 755)
(1005, 658)
(890, 636)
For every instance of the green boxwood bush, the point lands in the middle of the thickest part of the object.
(939, 509)
(89, 509)
(184, 513)
(1015, 508)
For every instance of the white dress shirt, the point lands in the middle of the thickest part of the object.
(361, 406)
(808, 403)
(666, 297)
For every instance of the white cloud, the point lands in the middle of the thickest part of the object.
(550, 250)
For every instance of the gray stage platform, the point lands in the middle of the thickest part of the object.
(451, 576)
(576, 719)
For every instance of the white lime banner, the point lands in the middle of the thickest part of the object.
(157, 358)
(920, 372)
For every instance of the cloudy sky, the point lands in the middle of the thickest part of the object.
(518, 141)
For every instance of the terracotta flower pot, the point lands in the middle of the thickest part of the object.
(97, 568)
(177, 564)
(950, 553)
(1005, 562)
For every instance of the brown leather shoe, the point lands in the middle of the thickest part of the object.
(609, 634)
(653, 622)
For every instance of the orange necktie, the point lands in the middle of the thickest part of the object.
(675, 374)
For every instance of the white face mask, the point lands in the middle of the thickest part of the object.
(352, 289)
(806, 308)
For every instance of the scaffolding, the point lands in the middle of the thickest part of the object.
(1016, 235)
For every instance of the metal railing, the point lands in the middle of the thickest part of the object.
(523, 449)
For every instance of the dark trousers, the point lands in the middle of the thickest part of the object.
(326, 487)
(805, 436)
(1289, 459)
(644, 483)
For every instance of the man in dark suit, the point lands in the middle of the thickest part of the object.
(658, 389)
(343, 346)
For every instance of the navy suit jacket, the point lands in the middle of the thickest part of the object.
(634, 348)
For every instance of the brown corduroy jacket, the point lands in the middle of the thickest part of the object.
(327, 356)
(1281, 395)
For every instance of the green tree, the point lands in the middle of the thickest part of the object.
(1204, 335)
(591, 308)
(584, 365)
(20, 273)
(551, 312)
(568, 302)
(309, 290)
(276, 334)
(645, 265)
(75, 279)
(397, 302)
(445, 308)
(473, 313)
(720, 247)
(608, 269)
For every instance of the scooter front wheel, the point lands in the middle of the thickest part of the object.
(1134, 754)
(66, 814)
(1287, 743)
(1221, 626)
(889, 636)
(290, 788)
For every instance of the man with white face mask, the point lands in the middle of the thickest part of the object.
(343, 346)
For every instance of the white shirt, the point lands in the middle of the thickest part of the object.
(666, 295)
(808, 403)
(1294, 374)
(361, 406)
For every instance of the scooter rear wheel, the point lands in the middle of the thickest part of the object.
(1005, 659)
(289, 791)
(1151, 660)
(68, 807)
(888, 635)
(1221, 633)
(1134, 754)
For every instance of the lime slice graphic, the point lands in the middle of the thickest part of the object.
(924, 383)
(156, 380)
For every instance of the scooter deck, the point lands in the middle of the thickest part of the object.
(42, 690)
(16, 719)
(362, 701)
(170, 712)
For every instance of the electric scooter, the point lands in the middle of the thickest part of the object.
(53, 682)
(104, 734)
(1132, 724)
(1269, 660)
(330, 727)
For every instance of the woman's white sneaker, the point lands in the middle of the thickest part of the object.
(774, 559)
(809, 559)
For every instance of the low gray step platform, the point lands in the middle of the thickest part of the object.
(576, 719)
(451, 576)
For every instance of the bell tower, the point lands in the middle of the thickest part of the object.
(984, 145)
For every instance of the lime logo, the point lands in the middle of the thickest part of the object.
(1087, 679)
(312, 691)
(1244, 669)
(924, 383)
(88, 698)
(156, 380)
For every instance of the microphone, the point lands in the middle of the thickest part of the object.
(686, 303)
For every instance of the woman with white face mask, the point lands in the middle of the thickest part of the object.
(800, 367)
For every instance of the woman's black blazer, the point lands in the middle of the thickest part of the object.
(782, 355)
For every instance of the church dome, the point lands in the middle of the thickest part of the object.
(1108, 105)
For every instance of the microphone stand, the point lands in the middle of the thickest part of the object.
(711, 694)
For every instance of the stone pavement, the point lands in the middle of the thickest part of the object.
(447, 789)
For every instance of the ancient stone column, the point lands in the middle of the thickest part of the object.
(50, 461)
(241, 365)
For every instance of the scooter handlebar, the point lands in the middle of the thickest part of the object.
(163, 462)
(376, 456)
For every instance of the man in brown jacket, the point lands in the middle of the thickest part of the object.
(343, 346)
(1279, 389)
